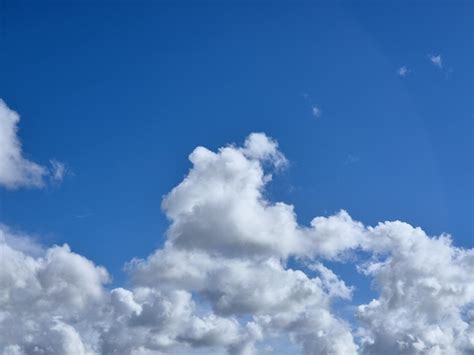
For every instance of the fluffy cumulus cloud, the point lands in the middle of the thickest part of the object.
(53, 301)
(236, 272)
(426, 291)
(15, 170)
(48, 298)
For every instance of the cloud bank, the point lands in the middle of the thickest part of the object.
(225, 280)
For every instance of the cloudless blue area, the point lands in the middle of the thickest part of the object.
(123, 91)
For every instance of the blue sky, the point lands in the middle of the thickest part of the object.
(122, 93)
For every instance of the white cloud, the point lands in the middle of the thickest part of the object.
(220, 206)
(426, 291)
(47, 300)
(259, 147)
(57, 303)
(436, 60)
(403, 71)
(316, 111)
(334, 236)
(15, 170)
(58, 170)
(222, 282)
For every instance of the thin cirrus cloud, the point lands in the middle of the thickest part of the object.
(15, 170)
(222, 283)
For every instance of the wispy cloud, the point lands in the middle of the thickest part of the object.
(58, 170)
(403, 71)
(351, 159)
(316, 111)
(436, 60)
(80, 216)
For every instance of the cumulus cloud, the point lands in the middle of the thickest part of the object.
(220, 207)
(426, 291)
(47, 300)
(236, 271)
(15, 170)
(57, 303)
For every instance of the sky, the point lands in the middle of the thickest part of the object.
(363, 107)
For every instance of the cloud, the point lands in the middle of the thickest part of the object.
(82, 215)
(222, 281)
(436, 60)
(403, 71)
(259, 147)
(222, 196)
(316, 111)
(57, 303)
(426, 289)
(58, 170)
(47, 299)
(351, 159)
(15, 170)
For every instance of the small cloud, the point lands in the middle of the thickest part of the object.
(436, 60)
(403, 71)
(58, 170)
(80, 216)
(351, 159)
(316, 111)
